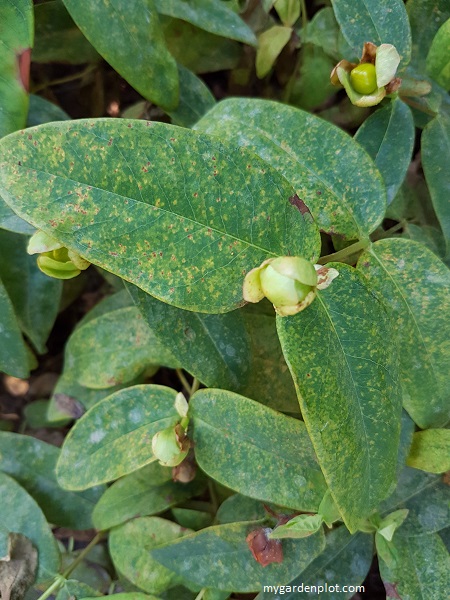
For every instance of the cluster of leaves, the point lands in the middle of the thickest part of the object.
(309, 441)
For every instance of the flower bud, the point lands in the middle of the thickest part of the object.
(170, 446)
(54, 259)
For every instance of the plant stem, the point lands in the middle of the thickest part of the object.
(304, 13)
(345, 252)
(200, 595)
(213, 495)
(195, 385)
(95, 540)
(67, 79)
(184, 381)
(390, 231)
(56, 585)
(418, 106)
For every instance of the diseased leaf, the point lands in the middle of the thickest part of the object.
(427, 235)
(337, 182)
(114, 437)
(148, 491)
(436, 166)
(381, 22)
(135, 560)
(219, 557)
(127, 33)
(425, 496)
(425, 17)
(177, 213)
(32, 463)
(415, 284)
(21, 514)
(347, 387)
(388, 137)
(18, 568)
(254, 450)
(345, 560)
(113, 349)
(240, 508)
(430, 451)
(13, 352)
(438, 62)
(422, 567)
(211, 15)
(75, 589)
(16, 40)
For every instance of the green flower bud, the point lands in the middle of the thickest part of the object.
(364, 78)
(171, 446)
(54, 259)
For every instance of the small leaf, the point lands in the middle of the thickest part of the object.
(430, 451)
(288, 11)
(135, 560)
(263, 445)
(270, 44)
(438, 63)
(299, 527)
(388, 137)
(128, 36)
(195, 99)
(391, 523)
(219, 557)
(17, 570)
(328, 510)
(347, 386)
(21, 514)
(114, 437)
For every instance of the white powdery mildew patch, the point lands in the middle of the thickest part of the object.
(97, 436)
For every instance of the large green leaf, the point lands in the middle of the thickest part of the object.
(219, 557)
(337, 182)
(436, 166)
(380, 22)
(178, 213)
(422, 570)
(438, 62)
(343, 361)
(58, 39)
(32, 463)
(113, 349)
(388, 137)
(148, 491)
(345, 560)
(211, 15)
(35, 296)
(21, 514)
(415, 284)
(13, 352)
(430, 451)
(425, 17)
(256, 451)
(134, 560)
(16, 40)
(114, 437)
(425, 496)
(128, 35)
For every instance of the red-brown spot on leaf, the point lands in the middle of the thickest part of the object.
(264, 551)
(24, 60)
(391, 590)
(298, 202)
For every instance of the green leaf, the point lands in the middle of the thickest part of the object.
(58, 39)
(288, 11)
(114, 437)
(312, 86)
(21, 514)
(211, 211)
(113, 349)
(438, 63)
(128, 596)
(345, 560)
(35, 297)
(428, 235)
(16, 40)
(251, 448)
(323, 31)
(433, 13)
(430, 451)
(187, 44)
(436, 165)
(146, 492)
(10, 221)
(299, 527)
(406, 435)
(270, 43)
(391, 523)
(337, 182)
(128, 35)
(422, 568)
(13, 352)
(42, 111)
(388, 137)
(135, 560)
(192, 519)
(425, 496)
(415, 284)
(381, 22)
(219, 557)
(211, 15)
(195, 99)
(32, 463)
(240, 508)
(346, 380)
(75, 589)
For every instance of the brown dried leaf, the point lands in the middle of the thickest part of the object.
(17, 570)
(264, 551)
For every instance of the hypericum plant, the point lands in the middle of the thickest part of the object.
(313, 433)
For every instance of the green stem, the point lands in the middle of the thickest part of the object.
(195, 385)
(345, 252)
(418, 106)
(213, 495)
(390, 231)
(200, 595)
(304, 13)
(67, 79)
(184, 381)
(82, 555)
(56, 585)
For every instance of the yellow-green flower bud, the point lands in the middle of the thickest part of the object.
(364, 78)
(170, 446)
(54, 259)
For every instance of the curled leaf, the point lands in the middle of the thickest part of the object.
(264, 550)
